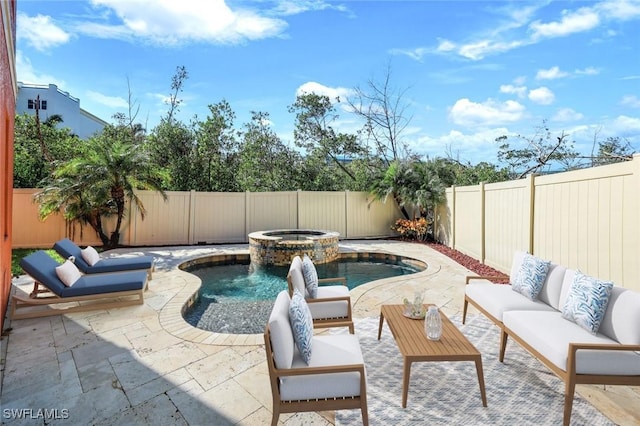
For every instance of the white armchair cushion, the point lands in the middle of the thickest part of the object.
(333, 309)
(282, 342)
(301, 325)
(328, 350)
(295, 275)
(310, 276)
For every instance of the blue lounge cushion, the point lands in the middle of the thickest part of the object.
(66, 248)
(42, 268)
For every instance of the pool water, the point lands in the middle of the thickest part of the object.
(237, 298)
(240, 283)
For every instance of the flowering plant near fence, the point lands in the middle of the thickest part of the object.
(412, 229)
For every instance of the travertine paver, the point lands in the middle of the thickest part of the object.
(146, 365)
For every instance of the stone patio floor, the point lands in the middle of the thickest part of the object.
(146, 365)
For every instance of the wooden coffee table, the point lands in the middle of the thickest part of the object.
(415, 347)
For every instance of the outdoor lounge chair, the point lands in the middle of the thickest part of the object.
(332, 305)
(67, 248)
(334, 378)
(127, 287)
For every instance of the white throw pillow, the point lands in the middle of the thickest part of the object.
(90, 255)
(68, 273)
(531, 276)
(587, 301)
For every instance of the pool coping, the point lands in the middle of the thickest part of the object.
(171, 315)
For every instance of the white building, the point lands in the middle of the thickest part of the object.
(54, 101)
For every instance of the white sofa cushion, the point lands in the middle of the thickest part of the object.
(499, 298)
(518, 256)
(552, 287)
(550, 335)
(334, 309)
(282, 342)
(587, 301)
(621, 322)
(531, 276)
(328, 350)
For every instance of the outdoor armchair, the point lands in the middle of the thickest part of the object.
(331, 307)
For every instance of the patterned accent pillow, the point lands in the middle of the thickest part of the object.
(301, 324)
(531, 276)
(587, 301)
(310, 276)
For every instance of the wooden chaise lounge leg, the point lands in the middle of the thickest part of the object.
(464, 310)
(503, 343)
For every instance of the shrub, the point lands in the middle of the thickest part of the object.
(412, 229)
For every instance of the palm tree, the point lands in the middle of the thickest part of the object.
(99, 182)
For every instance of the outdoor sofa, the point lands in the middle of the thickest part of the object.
(577, 354)
(97, 291)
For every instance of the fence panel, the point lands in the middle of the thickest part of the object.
(28, 230)
(219, 217)
(272, 210)
(588, 219)
(367, 217)
(165, 223)
(322, 210)
(468, 220)
(507, 221)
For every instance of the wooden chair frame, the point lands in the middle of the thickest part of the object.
(334, 403)
(329, 322)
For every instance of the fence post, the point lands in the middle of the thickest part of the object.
(298, 194)
(192, 218)
(531, 217)
(346, 214)
(453, 217)
(483, 236)
(248, 218)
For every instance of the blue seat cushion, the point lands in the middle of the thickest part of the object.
(42, 268)
(66, 248)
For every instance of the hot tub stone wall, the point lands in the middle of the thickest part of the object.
(266, 250)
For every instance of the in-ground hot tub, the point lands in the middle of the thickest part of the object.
(278, 247)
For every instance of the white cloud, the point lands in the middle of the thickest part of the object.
(446, 46)
(583, 19)
(480, 49)
(631, 101)
(550, 74)
(26, 74)
(319, 89)
(510, 89)
(625, 125)
(619, 9)
(588, 71)
(567, 115)
(474, 147)
(171, 23)
(489, 113)
(416, 54)
(40, 31)
(542, 95)
(109, 101)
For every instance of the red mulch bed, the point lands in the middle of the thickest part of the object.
(470, 263)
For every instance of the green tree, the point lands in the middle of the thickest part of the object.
(100, 181)
(328, 153)
(536, 153)
(35, 158)
(613, 150)
(215, 156)
(265, 163)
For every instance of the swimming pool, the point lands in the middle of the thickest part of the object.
(236, 297)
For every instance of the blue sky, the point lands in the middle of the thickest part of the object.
(469, 71)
